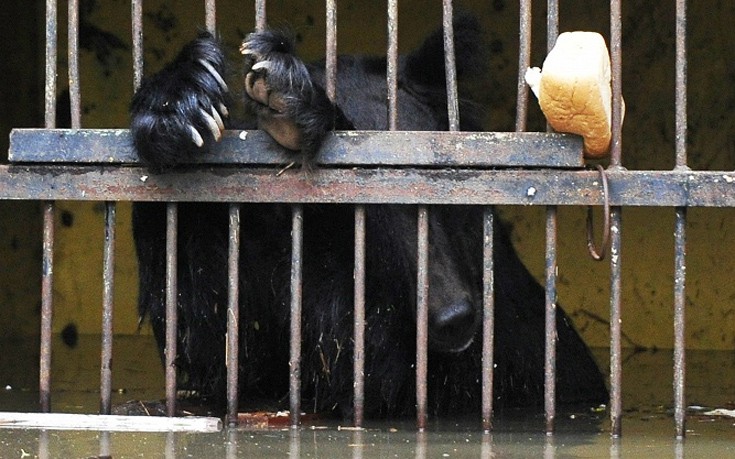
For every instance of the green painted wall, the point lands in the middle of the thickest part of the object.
(648, 81)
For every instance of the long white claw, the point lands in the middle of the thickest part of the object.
(223, 109)
(215, 74)
(218, 119)
(212, 124)
(195, 136)
(262, 65)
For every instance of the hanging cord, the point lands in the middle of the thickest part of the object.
(596, 254)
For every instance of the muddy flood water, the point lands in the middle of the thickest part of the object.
(648, 426)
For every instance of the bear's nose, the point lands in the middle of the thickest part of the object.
(453, 324)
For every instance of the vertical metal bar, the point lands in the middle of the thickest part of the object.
(233, 315)
(171, 309)
(616, 403)
(210, 16)
(552, 23)
(616, 379)
(422, 316)
(108, 291)
(680, 225)
(488, 318)
(359, 318)
(616, 31)
(392, 64)
(679, 320)
(73, 55)
(450, 67)
(550, 320)
(49, 210)
(47, 297)
(296, 275)
(51, 57)
(552, 32)
(137, 26)
(260, 16)
(524, 61)
(331, 45)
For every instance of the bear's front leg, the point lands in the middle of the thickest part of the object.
(292, 107)
(179, 112)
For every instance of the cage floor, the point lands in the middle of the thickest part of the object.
(648, 426)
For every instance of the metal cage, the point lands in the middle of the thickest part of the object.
(79, 164)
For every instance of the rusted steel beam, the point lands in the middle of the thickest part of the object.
(372, 148)
(370, 186)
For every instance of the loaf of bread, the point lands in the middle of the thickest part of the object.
(573, 89)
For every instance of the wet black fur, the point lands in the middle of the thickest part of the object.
(455, 262)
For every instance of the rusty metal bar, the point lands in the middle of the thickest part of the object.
(295, 349)
(73, 56)
(331, 50)
(171, 306)
(136, 13)
(422, 316)
(260, 15)
(616, 379)
(680, 226)
(344, 148)
(210, 16)
(359, 318)
(47, 293)
(371, 186)
(488, 318)
(616, 70)
(392, 65)
(51, 57)
(679, 321)
(616, 403)
(552, 32)
(108, 291)
(450, 67)
(524, 61)
(49, 210)
(233, 314)
(550, 320)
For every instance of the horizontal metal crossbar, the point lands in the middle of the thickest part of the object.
(345, 148)
(377, 185)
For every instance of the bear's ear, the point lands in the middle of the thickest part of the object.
(425, 65)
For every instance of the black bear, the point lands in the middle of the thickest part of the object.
(178, 113)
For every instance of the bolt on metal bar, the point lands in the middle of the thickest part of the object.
(488, 317)
(450, 67)
(392, 65)
(359, 318)
(422, 316)
(233, 313)
(297, 226)
(171, 306)
(616, 402)
(49, 210)
(108, 291)
(680, 226)
(524, 61)
(552, 32)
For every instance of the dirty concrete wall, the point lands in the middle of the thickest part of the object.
(648, 82)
